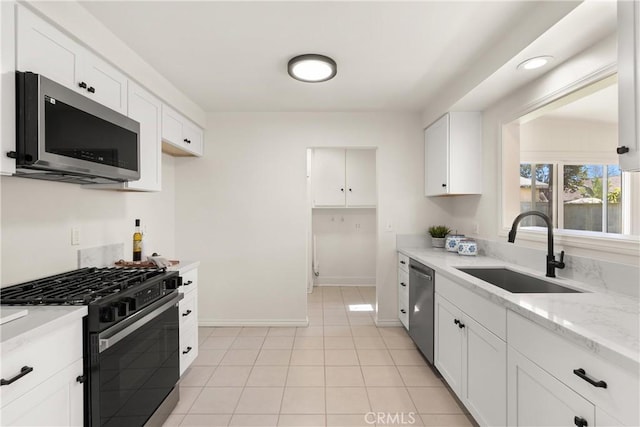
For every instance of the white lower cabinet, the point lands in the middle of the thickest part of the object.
(536, 398)
(58, 401)
(188, 312)
(43, 374)
(473, 362)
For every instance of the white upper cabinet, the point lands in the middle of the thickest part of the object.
(629, 84)
(344, 177)
(453, 155)
(360, 173)
(147, 110)
(41, 48)
(181, 136)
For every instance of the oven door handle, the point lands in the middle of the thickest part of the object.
(105, 342)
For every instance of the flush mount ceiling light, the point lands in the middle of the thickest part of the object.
(533, 63)
(312, 68)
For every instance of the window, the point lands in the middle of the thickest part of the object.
(587, 197)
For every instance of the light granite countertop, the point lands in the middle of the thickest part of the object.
(40, 320)
(606, 323)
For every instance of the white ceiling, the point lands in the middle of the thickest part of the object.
(232, 56)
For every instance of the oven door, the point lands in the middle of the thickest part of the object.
(135, 365)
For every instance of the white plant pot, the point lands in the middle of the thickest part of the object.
(437, 242)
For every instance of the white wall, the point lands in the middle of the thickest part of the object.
(486, 209)
(345, 246)
(242, 209)
(37, 217)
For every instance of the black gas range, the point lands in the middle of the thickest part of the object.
(131, 338)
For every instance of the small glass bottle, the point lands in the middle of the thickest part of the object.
(137, 242)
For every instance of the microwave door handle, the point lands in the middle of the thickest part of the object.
(111, 340)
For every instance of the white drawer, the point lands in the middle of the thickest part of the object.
(560, 358)
(187, 307)
(403, 280)
(188, 345)
(189, 281)
(488, 314)
(403, 262)
(403, 312)
(45, 354)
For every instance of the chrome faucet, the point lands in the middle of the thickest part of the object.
(552, 264)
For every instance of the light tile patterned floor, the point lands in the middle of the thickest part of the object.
(340, 371)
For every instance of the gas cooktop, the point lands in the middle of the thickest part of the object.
(77, 287)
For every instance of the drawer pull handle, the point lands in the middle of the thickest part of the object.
(186, 313)
(459, 323)
(622, 150)
(187, 350)
(91, 89)
(403, 311)
(188, 283)
(582, 374)
(81, 378)
(82, 85)
(402, 262)
(580, 422)
(24, 371)
(403, 284)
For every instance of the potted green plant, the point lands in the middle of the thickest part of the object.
(438, 233)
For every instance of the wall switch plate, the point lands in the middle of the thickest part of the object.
(75, 236)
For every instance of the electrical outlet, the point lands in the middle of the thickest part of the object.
(476, 228)
(75, 236)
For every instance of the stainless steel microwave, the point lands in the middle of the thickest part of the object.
(64, 136)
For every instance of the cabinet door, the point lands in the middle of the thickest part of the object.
(7, 87)
(448, 343)
(485, 375)
(361, 178)
(436, 157)
(58, 401)
(42, 49)
(629, 83)
(192, 136)
(171, 126)
(105, 84)
(328, 177)
(535, 398)
(403, 297)
(188, 309)
(147, 110)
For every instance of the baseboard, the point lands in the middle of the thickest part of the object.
(254, 322)
(388, 323)
(345, 281)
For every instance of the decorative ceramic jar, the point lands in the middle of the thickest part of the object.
(467, 247)
(452, 241)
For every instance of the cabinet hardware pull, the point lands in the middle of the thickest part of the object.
(187, 350)
(342, 189)
(186, 313)
(622, 150)
(83, 85)
(188, 141)
(402, 262)
(403, 311)
(582, 374)
(80, 378)
(403, 284)
(349, 189)
(24, 371)
(456, 321)
(188, 283)
(444, 185)
(12, 154)
(580, 422)
(460, 325)
(91, 89)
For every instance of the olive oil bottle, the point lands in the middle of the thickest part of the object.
(137, 242)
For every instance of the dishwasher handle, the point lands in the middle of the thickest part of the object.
(422, 274)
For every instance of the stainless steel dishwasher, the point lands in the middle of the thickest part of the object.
(421, 300)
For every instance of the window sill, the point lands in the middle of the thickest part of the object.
(604, 242)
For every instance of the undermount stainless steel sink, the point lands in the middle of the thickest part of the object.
(515, 282)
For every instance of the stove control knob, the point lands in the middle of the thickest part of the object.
(122, 308)
(107, 314)
(131, 304)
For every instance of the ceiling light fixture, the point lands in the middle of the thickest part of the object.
(312, 68)
(533, 63)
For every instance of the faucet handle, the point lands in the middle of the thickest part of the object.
(560, 264)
